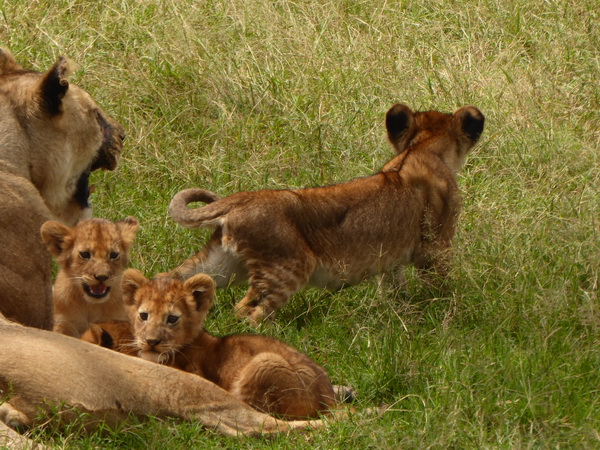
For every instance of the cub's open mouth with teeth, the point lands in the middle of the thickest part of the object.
(99, 291)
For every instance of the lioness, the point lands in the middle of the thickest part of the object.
(52, 135)
(168, 317)
(92, 256)
(330, 236)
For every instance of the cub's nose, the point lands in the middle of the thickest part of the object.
(152, 342)
(101, 278)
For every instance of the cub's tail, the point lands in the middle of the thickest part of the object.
(209, 215)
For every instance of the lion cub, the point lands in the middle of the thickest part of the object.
(168, 317)
(281, 240)
(92, 256)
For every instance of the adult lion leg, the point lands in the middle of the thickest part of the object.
(45, 369)
(11, 439)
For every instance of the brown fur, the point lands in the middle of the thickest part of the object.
(168, 317)
(116, 335)
(92, 256)
(281, 240)
(52, 135)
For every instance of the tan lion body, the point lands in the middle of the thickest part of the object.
(92, 256)
(281, 240)
(168, 317)
(52, 135)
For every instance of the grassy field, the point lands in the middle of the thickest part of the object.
(232, 95)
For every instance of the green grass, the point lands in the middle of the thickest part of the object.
(232, 95)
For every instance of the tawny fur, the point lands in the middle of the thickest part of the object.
(92, 256)
(281, 240)
(116, 335)
(52, 135)
(168, 317)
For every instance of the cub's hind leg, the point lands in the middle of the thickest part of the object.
(215, 260)
(271, 286)
(274, 385)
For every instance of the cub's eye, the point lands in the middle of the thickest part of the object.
(114, 255)
(85, 255)
(172, 320)
(144, 316)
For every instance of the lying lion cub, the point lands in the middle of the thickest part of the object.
(281, 240)
(168, 317)
(92, 256)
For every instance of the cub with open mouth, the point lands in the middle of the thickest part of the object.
(92, 256)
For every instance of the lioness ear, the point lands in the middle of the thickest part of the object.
(8, 63)
(202, 288)
(56, 236)
(128, 227)
(131, 280)
(471, 121)
(54, 86)
(399, 122)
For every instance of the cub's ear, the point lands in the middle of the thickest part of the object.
(57, 237)
(128, 227)
(470, 122)
(54, 85)
(400, 123)
(8, 63)
(131, 280)
(202, 288)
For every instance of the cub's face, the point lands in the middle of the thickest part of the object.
(93, 254)
(166, 314)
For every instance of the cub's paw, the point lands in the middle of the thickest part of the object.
(344, 394)
(254, 315)
(14, 418)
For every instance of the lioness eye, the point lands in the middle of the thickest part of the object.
(114, 255)
(144, 316)
(172, 320)
(85, 255)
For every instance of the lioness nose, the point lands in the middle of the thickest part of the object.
(101, 277)
(153, 342)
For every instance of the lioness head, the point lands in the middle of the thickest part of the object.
(61, 132)
(166, 313)
(450, 136)
(94, 252)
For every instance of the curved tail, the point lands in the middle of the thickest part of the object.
(197, 217)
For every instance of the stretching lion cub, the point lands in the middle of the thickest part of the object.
(168, 317)
(281, 240)
(92, 256)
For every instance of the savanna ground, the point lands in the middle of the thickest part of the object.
(232, 95)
